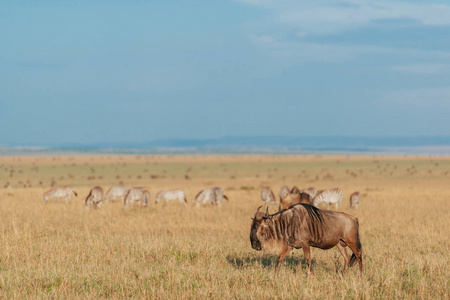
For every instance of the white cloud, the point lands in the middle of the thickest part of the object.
(288, 22)
(316, 17)
(421, 68)
(300, 51)
(326, 18)
(267, 40)
(426, 99)
(304, 51)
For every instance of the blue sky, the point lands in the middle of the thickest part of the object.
(137, 71)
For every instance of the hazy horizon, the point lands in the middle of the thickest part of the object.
(249, 145)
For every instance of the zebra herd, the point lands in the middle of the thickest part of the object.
(209, 196)
(290, 196)
(136, 196)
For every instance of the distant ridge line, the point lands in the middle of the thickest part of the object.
(288, 142)
(439, 145)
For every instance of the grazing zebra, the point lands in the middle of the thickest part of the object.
(137, 194)
(118, 191)
(312, 192)
(94, 199)
(355, 200)
(60, 192)
(332, 196)
(214, 196)
(169, 195)
(218, 192)
(267, 196)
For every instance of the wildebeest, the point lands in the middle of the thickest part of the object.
(118, 191)
(212, 196)
(293, 197)
(169, 195)
(312, 192)
(355, 200)
(305, 226)
(60, 192)
(284, 190)
(331, 196)
(137, 194)
(94, 199)
(267, 196)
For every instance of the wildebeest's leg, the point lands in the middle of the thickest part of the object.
(307, 254)
(357, 253)
(281, 257)
(342, 248)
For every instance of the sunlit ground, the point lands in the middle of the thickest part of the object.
(65, 251)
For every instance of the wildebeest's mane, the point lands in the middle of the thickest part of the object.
(279, 212)
(313, 212)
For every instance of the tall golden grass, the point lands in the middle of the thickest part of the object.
(63, 251)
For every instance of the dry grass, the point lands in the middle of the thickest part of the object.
(63, 251)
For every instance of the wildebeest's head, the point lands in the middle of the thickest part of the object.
(259, 220)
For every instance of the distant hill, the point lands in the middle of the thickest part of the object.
(257, 144)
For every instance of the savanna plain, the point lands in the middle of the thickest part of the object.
(63, 251)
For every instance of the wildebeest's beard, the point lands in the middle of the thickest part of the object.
(256, 244)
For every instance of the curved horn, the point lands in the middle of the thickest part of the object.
(259, 209)
(267, 211)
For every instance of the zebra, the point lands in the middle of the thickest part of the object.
(214, 196)
(94, 199)
(331, 196)
(355, 200)
(118, 191)
(267, 196)
(312, 192)
(168, 195)
(218, 192)
(60, 192)
(137, 194)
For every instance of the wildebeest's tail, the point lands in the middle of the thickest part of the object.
(75, 193)
(225, 197)
(358, 245)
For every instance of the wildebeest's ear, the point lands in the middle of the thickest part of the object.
(267, 212)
